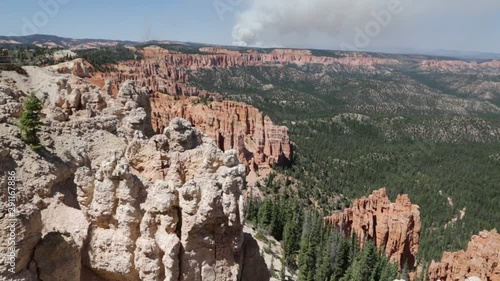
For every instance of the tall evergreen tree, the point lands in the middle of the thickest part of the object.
(276, 227)
(30, 120)
(368, 261)
(341, 258)
(265, 213)
(389, 272)
(307, 261)
(291, 242)
(324, 270)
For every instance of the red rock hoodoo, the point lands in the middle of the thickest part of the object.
(167, 71)
(394, 227)
(260, 143)
(481, 261)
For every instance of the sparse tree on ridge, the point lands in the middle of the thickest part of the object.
(30, 121)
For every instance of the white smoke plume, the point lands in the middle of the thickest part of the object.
(268, 19)
(295, 22)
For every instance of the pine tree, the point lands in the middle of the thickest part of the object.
(291, 241)
(252, 209)
(341, 258)
(348, 276)
(368, 261)
(323, 270)
(307, 263)
(379, 266)
(389, 272)
(30, 121)
(265, 213)
(363, 265)
(276, 226)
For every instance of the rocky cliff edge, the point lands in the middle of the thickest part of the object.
(105, 198)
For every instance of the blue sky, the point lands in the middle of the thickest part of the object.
(423, 25)
(183, 20)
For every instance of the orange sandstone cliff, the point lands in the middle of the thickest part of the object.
(394, 227)
(481, 261)
(167, 71)
(260, 143)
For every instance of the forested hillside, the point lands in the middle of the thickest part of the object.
(103, 59)
(316, 251)
(427, 134)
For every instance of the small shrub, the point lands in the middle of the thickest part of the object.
(260, 236)
(36, 147)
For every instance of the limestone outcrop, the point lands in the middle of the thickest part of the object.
(260, 144)
(481, 260)
(394, 227)
(77, 67)
(106, 199)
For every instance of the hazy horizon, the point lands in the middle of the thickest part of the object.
(364, 25)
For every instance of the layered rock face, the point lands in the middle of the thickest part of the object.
(457, 66)
(260, 143)
(481, 260)
(394, 227)
(168, 71)
(107, 200)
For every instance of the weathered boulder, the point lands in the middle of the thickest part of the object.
(77, 67)
(65, 262)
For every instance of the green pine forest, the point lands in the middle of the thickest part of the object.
(448, 163)
(312, 250)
